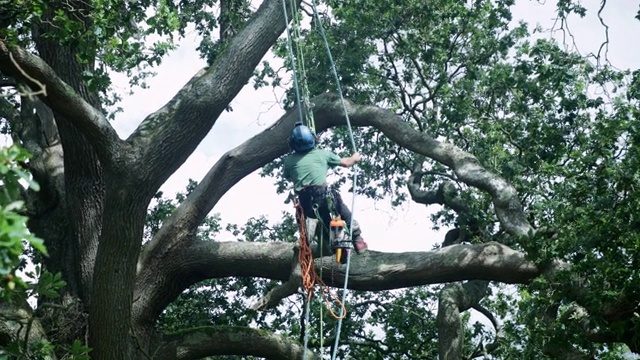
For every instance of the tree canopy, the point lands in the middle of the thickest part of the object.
(525, 146)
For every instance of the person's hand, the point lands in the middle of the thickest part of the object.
(356, 157)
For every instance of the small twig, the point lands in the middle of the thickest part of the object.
(26, 335)
(307, 11)
(604, 44)
(43, 87)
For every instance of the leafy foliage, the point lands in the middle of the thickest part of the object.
(14, 233)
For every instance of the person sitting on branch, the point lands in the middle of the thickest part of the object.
(307, 169)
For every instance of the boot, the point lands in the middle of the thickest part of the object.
(359, 245)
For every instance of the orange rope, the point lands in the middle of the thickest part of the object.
(310, 276)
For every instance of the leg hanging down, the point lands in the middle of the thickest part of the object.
(324, 204)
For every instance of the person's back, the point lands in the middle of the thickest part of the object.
(307, 169)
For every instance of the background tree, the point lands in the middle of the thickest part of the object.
(535, 174)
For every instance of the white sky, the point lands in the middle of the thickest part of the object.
(384, 228)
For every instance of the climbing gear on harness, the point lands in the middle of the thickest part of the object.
(305, 257)
(340, 243)
(302, 138)
(340, 236)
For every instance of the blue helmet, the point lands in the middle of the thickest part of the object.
(302, 138)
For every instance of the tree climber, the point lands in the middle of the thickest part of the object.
(307, 168)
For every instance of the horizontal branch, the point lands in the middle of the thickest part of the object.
(201, 342)
(376, 271)
(372, 271)
(61, 98)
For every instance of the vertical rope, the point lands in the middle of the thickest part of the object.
(355, 173)
(302, 72)
(306, 327)
(321, 307)
(293, 62)
(334, 71)
(344, 292)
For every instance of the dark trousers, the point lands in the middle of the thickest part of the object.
(314, 199)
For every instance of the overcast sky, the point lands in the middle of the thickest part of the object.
(385, 229)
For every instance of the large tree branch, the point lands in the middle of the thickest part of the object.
(59, 96)
(167, 137)
(466, 167)
(199, 260)
(202, 342)
(455, 299)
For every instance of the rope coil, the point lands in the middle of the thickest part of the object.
(310, 276)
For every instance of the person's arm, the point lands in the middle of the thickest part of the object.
(350, 161)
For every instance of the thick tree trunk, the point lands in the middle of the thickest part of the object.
(110, 328)
(84, 191)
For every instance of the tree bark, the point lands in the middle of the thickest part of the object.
(372, 271)
(454, 300)
(109, 182)
(110, 328)
(155, 150)
(19, 325)
(232, 340)
(167, 137)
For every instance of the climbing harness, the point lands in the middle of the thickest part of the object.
(339, 233)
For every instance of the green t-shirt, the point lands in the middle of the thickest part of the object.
(309, 168)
